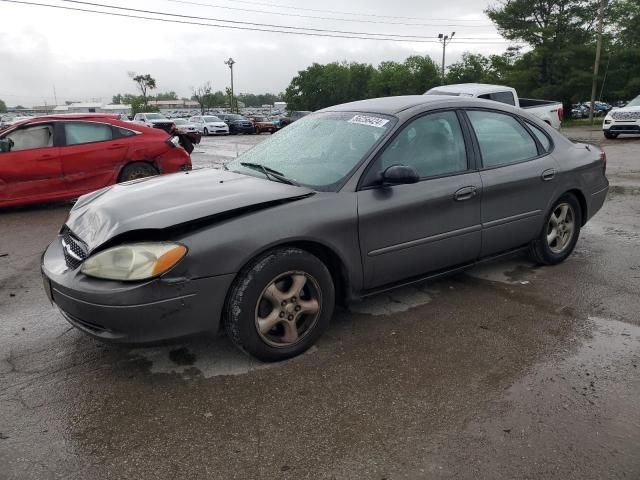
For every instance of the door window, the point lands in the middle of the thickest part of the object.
(503, 140)
(79, 132)
(38, 136)
(432, 144)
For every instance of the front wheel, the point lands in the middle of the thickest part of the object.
(560, 232)
(206, 132)
(610, 135)
(279, 304)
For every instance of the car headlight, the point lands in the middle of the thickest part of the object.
(136, 261)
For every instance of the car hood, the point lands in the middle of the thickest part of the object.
(626, 109)
(172, 200)
(216, 124)
(160, 120)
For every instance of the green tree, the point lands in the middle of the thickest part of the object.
(202, 95)
(167, 96)
(3, 106)
(138, 105)
(144, 83)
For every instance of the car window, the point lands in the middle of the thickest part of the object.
(28, 138)
(122, 132)
(542, 137)
(502, 97)
(80, 132)
(319, 151)
(211, 119)
(501, 138)
(432, 144)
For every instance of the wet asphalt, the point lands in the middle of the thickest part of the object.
(506, 371)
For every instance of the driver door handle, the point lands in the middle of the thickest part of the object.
(548, 175)
(465, 193)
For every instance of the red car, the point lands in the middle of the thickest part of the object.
(64, 156)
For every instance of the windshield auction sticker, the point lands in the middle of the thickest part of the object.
(371, 121)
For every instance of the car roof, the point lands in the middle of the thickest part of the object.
(66, 116)
(472, 88)
(388, 105)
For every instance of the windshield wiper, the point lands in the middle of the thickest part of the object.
(270, 173)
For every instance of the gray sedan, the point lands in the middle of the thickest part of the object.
(346, 202)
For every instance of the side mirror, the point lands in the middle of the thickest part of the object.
(399, 175)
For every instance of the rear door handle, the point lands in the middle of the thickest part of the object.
(114, 146)
(548, 175)
(465, 193)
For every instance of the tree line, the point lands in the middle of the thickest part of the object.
(557, 65)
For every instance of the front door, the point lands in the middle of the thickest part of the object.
(410, 230)
(31, 169)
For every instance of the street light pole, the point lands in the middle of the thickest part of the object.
(230, 63)
(445, 40)
(594, 82)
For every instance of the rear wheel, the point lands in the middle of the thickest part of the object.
(279, 304)
(560, 232)
(610, 135)
(137, 170)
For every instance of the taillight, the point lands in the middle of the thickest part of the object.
(603, 157)
(560, 113)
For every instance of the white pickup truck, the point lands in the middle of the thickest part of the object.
(549, 111)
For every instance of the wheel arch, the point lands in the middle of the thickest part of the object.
(327, 255)
(582, 200)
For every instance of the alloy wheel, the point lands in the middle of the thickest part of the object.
(561, 228)
(288, 309)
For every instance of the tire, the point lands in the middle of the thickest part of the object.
(206, 132)
(136, 170)
(610, 136)
(267, 290)
(551, 252)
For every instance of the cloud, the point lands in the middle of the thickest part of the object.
(87, 56)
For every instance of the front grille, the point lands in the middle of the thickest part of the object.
(625, 115)
(625, 128)
(75, 251)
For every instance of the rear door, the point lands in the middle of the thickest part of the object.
(518, 179)
(32, 168)
(409, 230)
(92, 155)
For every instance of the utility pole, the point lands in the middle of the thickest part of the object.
(230, 63)
(445, 40)
(597, 62)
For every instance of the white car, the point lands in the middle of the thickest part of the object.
(623, 120)
(209, 125)
(185, 126)
(548, 111)
(154, 120)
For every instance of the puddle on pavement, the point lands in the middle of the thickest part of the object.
(396, 301)
(206, 358)
(511, 272)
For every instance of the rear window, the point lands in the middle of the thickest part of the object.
(502, 97)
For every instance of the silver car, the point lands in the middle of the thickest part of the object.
(209, 125)
(185, 126)
(344, 203)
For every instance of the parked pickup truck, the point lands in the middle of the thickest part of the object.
(549, 111)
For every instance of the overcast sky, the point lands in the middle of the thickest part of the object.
(87, 56)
